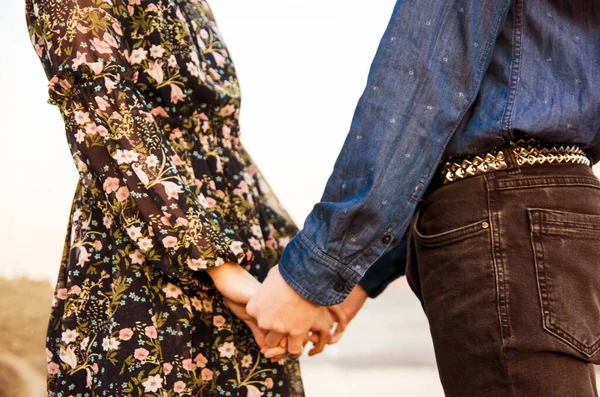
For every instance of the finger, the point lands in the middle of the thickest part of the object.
(342, 323)
(275, 351)
(259, 334)
(279, 358)
(273, 338)
(295, 345)
(320, 345)
(314, 337)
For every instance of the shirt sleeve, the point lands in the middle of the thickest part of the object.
(424, 78)
(120, 152)
(385, 270)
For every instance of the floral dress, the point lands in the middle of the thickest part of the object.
(150, 102)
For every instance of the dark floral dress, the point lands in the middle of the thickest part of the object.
(150, 101)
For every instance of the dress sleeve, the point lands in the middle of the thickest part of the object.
(117, 146)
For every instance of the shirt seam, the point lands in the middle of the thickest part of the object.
(515, 69)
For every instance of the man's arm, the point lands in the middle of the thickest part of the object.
(424, 78)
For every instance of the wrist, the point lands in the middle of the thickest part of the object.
(234, 282)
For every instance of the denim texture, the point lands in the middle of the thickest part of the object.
(449, 78)
(506, 267)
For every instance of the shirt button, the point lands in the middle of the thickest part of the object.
(338, 287)
(386, 239)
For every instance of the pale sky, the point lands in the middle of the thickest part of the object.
(302, 65)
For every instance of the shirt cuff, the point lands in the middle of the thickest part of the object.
(387, 269)
(314, 275)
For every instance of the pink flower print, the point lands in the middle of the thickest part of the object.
(269, 383)
(102, 47)
(167, 368)
(188, 365)
(97, 245)
(179, 386)
(145, 243)
(48, 355)
(83, 257)
(226, 110)
(122, 193)
(125, 334)
(255, 243)
(82, 117)
(137, 56)
(102, 131)
(150, 332)
(197, 303)
(141, 354)
(68, 356)
(181, 222)
(109, 84)
(108, 38)
(219, 321)
(172, 189)
(117, 28)
(211, 202)
(107, 221)
(253, 391)
(155, 70)
(247, 361)
(137, 258)
(111, 184)
(79, 59)
(172, 291)
(53, 368)
(236, 247)
(206, 374)
(109, 343)
(172, 61)
(135, 2)
(152, 7)
(69, 336)
(200, 360)
(61, 293)
(75, 290)
(152, 384)
(169, 242)
(159, 111)
(156, 51)
(177, 94)
(175, 158)
(227, 350)
(102, 103)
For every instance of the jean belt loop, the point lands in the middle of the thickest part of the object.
(513, 167)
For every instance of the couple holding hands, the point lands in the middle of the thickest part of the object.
(181, 274)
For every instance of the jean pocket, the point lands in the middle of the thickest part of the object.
(566, 250)
(451, 236)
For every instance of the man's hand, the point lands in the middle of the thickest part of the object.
(282, 312)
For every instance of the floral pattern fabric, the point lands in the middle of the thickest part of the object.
(150, 101)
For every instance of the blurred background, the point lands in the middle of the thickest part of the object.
(302, 66)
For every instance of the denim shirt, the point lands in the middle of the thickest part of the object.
(450, 77)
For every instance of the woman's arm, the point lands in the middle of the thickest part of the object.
(92, 60)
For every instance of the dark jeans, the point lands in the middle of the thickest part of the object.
(507, 268)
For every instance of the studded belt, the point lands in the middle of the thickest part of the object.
(525, 152)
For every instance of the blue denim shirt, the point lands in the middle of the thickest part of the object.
(450, 77)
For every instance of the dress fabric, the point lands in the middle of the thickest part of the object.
(150, 101)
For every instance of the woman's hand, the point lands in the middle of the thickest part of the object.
(237, 286)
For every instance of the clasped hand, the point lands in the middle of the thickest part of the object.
(281, 321)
